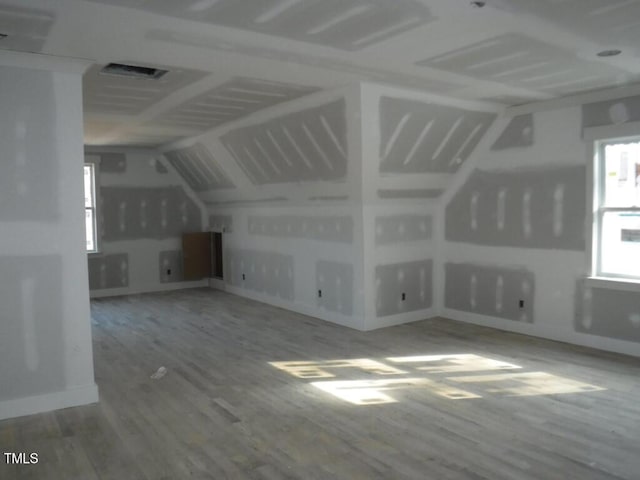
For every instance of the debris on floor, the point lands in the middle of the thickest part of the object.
(161, 372)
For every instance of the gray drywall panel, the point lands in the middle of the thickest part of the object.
(108, 271)
(27, 29)
(404, 287)
(171, 267)
(517, 134)
(309, 145)
(113, 162)
(231, 101)
(607, 313)
(417, 137)
(31, 326)
(28, 184)
(221, 223)
(491, 291)
(342, 24)
(136, 213)
(160, 168)
(323, 228)
(260, 271)
(529, 208)
(198, 167)
(393, 229)
(390, 194)
(334, 281)
(611, 112)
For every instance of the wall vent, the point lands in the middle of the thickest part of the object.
(3, 36)
(123, 70)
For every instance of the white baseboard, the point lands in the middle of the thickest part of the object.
(400, 319)
(546, 332)
(218, 284)
(351, 322)
(159, 287)
(47, 402)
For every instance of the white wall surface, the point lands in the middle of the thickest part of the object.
(46, 357)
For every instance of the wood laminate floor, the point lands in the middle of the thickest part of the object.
(430, 400)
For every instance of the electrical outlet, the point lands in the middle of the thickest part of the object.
(521, 303)
(168, 271)
(404, 296)
(319, 293)
(243, 277)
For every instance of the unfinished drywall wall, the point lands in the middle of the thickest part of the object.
(109, 271)
(199, 168)
(611, 112)
(292, 226)
(404, 287)
(518, 211)
(144, 207)
(308, 145)
(607, 312)
(520, 132)
(505, 292)
(413, 143)
(543, 207)
(322, 228)
(46, 359)
(427, 137)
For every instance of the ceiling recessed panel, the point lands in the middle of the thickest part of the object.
(615, 22)
(342, 24)
(310, 145)
(198, 167)
(26, 29)
(419, 137)
(525, 62)
(230, 101)
(118, 95)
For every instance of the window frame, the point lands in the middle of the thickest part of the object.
(598, 138)
(94, 162)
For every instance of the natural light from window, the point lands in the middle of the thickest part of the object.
(90, 207)
(454, 377)
(617, 239)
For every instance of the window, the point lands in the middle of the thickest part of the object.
(90, 211)
(616, 249)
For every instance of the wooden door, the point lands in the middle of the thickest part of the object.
(196, 255)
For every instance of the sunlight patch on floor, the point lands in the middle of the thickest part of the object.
(435, 377)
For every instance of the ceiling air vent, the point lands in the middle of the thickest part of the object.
(122, 70)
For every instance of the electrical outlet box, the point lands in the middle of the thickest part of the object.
(319, 293)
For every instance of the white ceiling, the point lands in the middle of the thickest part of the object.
(509, 52)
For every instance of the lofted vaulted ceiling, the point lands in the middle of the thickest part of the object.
(229, 58)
